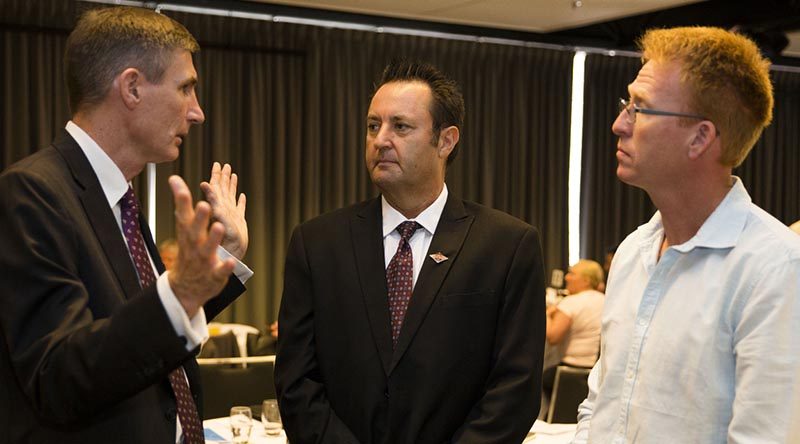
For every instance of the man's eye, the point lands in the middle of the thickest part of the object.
(373, 127)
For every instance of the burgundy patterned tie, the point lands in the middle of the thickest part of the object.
(187, 411)
(400, 277)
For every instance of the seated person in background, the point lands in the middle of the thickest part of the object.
(574, 323)
(273, 329)
(168, 250)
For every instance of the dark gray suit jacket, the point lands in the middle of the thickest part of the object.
(467, 366)
(84, 352)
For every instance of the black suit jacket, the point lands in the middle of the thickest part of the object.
(84, 352)
(467, 365)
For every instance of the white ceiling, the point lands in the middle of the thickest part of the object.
(520, 15)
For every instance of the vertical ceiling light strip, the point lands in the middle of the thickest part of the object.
(575, 154)
(151, 198)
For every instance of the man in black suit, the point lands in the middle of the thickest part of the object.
(363, 358)
(94, 347)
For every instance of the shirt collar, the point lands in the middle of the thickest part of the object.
(428, 218)
(111, 179)
(721, 230)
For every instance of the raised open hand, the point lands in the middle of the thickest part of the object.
(198, 274)
(220, 192)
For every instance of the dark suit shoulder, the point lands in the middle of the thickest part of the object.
(47, 163)
(339, 217)
(495, 218)
(41, 177)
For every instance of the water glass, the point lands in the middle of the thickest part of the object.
(241, 422)
(271, 417)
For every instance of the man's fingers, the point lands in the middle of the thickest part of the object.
(223, 269)
(208, 191)
(242, 204)
(215, 235)
(225, 178)
(232, 188)
(183, 199)
(201, 218)
(216, 170)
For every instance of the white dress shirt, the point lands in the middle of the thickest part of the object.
(421, 239)
(114, 186)
(703, 344)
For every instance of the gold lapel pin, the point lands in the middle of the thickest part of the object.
(438, 257)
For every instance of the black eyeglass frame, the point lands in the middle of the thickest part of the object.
(625, 105)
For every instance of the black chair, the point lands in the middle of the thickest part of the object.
(569, 389)
(226, 384)
(220, 346)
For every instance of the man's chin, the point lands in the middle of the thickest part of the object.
(625, 175)
(382, 178)
(171, 154)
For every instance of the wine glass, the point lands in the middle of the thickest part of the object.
(241, 422)
(271, 417)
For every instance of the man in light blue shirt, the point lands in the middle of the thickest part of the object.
(701, 322)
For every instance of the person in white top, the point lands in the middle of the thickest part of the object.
(701, 320)
(574, 324)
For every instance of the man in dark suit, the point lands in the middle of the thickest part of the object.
(414, 317)
(93, 346)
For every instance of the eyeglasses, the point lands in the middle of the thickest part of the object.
(631, 109)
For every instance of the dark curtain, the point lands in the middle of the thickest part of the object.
(771, 172)
(32, 85)
(35, 105)
(285, 105)
(610, 209)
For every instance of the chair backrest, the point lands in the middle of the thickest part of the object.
(569, 390)
(220, 346)
(240, 331)
(226, 384)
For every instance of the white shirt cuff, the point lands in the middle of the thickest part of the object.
(194, 330)
(242, 271)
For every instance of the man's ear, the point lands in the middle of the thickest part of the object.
(127, 85)
(703, 139)
(448, 138)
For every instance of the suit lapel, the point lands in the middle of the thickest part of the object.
(450, 233)
(99, 214)
(150, 244)
(367, 238)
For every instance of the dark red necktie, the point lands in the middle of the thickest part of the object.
(187, 410)
(400, 278)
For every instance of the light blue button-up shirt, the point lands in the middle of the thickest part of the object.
(703, 344)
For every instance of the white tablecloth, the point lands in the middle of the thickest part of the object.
(541, 433)
(544, 433)
(222, 428)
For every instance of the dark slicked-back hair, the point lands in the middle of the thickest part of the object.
(447, 103)
(107, 41)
